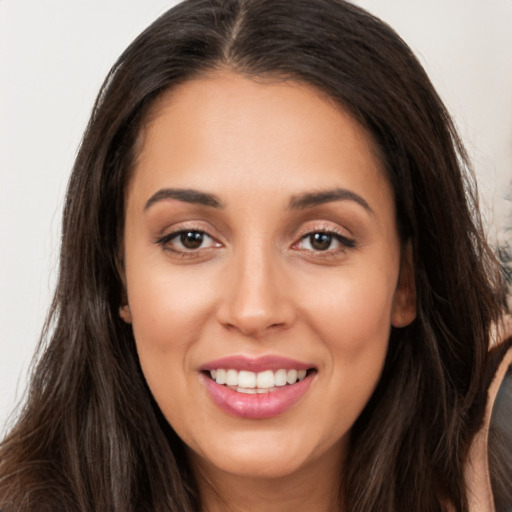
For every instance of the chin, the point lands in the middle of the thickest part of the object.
(254, 465)
(267, 456)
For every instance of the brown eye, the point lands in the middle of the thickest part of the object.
(325, 241)
(187, 241)
(191, 239)
(320, 241)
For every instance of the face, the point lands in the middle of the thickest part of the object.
(263, 272)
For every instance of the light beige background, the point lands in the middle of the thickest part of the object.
(54, 55)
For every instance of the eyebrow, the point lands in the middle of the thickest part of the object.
(186, 195)
(310, 199)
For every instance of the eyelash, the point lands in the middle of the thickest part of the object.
(166, 241)
(344, 242)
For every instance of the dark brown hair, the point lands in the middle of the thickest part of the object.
(90, 436)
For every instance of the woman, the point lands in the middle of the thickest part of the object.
(274, 288)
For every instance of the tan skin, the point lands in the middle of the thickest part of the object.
(262, 273)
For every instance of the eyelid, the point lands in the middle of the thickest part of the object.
(343, 240)
(346, 242)
(174, 234)
(174, 231)
(309, 228)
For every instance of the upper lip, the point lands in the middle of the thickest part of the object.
(256, 364)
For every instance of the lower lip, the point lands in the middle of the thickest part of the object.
(260, 405)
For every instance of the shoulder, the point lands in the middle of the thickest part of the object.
(489, 467)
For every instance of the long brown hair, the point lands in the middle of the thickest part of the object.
(91, 437)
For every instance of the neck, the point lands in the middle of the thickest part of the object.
(315, 487)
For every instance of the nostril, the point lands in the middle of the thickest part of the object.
(255, 304)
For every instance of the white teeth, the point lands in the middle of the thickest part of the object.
(246, 379)
(232, 378)
(265, 379)
(220, 378)
(291, 376)
(249, 391)
(250, 382)
(280, 378)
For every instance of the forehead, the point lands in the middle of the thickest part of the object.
(232, 131)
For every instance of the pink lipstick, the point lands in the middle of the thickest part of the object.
(256, 388)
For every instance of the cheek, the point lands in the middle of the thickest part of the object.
(351, 317)
(355, 330)
(353, 322)
(351, 312)
(169, 310)
(168, 307)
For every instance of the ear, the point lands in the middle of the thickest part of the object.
(124, 309)
(404, 301)
(125, 313)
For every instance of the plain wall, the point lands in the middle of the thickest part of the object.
(54, 56)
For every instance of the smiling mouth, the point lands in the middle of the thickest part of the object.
(248, 382)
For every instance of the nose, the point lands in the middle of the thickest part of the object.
(255, 298)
